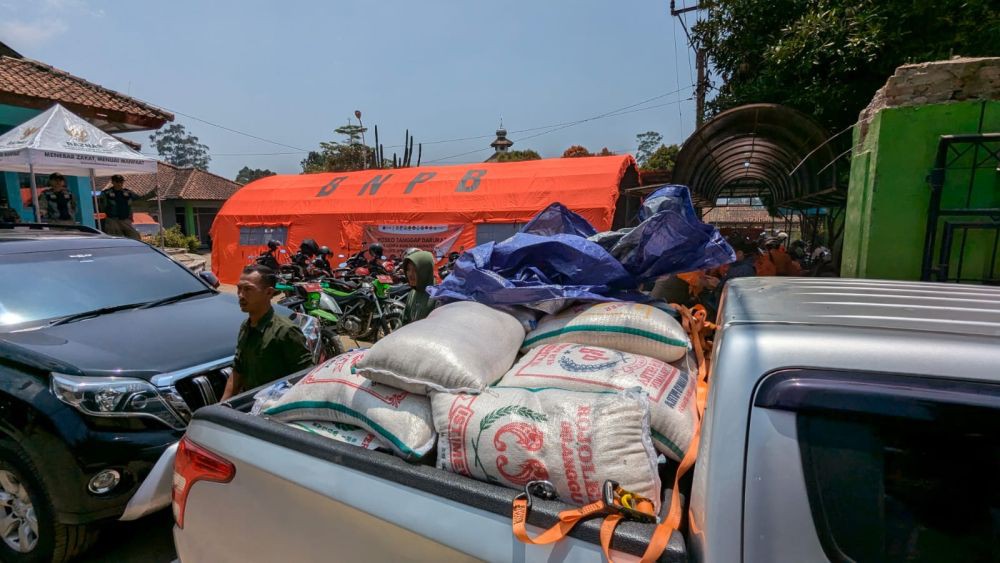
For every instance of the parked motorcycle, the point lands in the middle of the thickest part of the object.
(268, 258)
(347, 301)
(308, 298)
(445, 269)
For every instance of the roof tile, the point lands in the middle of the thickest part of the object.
(178, 183)
(26, 77)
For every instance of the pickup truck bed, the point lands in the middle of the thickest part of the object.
(364, 497)
(846, 420)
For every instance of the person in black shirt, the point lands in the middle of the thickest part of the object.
(116, 202)
(58, 205)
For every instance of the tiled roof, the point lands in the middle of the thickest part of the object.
(178, 183)
(743, 215)
(31, 79)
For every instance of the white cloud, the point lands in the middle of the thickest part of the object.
(28, 34)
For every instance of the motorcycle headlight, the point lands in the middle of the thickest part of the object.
(114, 397)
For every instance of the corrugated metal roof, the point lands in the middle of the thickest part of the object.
(766, 150)
(894, 305)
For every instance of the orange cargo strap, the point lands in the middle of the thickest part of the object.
(618, 507)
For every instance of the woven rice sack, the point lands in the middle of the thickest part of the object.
(330, 392)
(576, 440)
(628, 327)
(461, 347)
(590, 368)
(340, 432)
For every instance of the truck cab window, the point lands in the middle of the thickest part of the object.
(885, 488)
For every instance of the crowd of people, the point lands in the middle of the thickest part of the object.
(767, 255)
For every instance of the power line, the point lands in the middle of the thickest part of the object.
(231, 130)
(615, 113)
(553, 125)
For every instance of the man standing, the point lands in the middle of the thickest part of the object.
(8, 215)
(269, 346)
(419, 268)
(58, 205)
(116, 202)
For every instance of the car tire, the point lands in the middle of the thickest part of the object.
(54, 541)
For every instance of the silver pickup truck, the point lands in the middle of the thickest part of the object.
(848, 420)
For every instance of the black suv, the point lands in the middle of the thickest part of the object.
(107, 346)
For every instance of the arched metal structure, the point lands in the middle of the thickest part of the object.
(768, 151)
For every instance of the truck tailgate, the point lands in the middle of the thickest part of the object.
(301, 497)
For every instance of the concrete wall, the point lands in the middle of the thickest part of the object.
(889, 195)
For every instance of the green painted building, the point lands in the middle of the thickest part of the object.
(889, 201)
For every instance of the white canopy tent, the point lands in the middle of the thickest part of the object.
(58, 140)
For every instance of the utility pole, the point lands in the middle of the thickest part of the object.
(701, 86)
(357, 113)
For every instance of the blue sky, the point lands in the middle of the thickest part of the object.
(292, 71)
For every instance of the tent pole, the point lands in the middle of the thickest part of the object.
(34, 193)
(93, 194)
(159, 208)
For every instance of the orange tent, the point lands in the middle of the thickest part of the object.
(437, 208)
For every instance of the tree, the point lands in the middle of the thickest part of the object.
(336, 157)
(648, 142)
(247, 174)
(662, 158)
(176, 146)
(605, 152)
(514, 156)
(827, 58)
(339, 157)
(575, 151)
(352, 132)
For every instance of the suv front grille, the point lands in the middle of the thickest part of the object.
(201, 389)
(189, 389)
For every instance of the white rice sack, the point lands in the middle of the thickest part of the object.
(461, 347)
(628, 327)
(340, 432)
(330, 392)
(511, 436)
(590, 368)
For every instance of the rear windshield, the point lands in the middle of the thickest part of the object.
(48, 285)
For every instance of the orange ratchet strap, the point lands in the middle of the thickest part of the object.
(618, 504)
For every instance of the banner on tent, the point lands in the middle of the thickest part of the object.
(436, 239)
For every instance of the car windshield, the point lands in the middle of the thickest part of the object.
(38, 286)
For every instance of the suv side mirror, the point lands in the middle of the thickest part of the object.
(210, 279)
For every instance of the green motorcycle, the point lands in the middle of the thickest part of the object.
(366, 310)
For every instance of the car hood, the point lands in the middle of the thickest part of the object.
(137, 342)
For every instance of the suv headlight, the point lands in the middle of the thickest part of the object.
(114, 397)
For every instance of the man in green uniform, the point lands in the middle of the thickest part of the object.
(419, 268)
(8, 215)
(269, 346)
(116, 202)
(58, 205)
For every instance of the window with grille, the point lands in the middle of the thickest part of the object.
(259, 235)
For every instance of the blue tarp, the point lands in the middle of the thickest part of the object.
(671, 238)
(552, 262)
(558, 219)
(534, 269)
